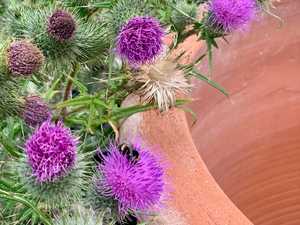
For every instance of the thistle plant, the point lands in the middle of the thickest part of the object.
(24, 58)
(140, 40)
(135, 185)
(61, 25)
(183, 14)
(51, 152)
(228, 15)
(65, 69)
(53, 171)
(35, 111)
(161, 82)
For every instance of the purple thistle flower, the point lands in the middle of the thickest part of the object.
(135, 185)
(61, 25)
(140, 40)
(24, 58)
(35, 111)
(229, 15)
(51, 152)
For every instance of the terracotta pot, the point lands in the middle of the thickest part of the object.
(251, 141)
(248, 141)
(195, 198)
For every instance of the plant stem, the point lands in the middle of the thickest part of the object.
(68, 90)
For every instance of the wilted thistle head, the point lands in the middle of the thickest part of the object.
(35, 111)
(229, 15)
(61, 25)
(24, 58)
(136, 186)
(161, 82)
(51, 152)
(140, 40)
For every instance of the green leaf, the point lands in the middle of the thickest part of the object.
(121, 113)
(78, 101)
(19, 198)
(51, 92)
(82, 101)
(192, 113)
(100, 5)
(209, 52)
(82, 88)
(199, 59)
(99, 102)
(92, 113)
(212, 83)
(9, 146)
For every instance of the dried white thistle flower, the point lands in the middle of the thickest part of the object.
(161, 82)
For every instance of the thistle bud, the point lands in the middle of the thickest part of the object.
(24, 58)
(35, 111)
(61, 26)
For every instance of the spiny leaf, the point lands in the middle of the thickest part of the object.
(19, 198)
(9, 146)
(82, 101)
(208, 81)
(120, 113)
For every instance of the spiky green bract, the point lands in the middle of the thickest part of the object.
(10, 104)
(100, 203)
(81, 216)
(89, 42)
(183, 14)
(124, 10)
(60, 193)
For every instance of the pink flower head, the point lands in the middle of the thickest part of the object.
(229, 15)
(51, 152)
(140, 40)
(137, 185)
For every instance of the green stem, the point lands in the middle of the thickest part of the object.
(68, 89)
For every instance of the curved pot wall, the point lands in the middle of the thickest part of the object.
(194, 198)
(251, 141)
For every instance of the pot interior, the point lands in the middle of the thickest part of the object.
(251, 140)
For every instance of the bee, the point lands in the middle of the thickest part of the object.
(130, 153)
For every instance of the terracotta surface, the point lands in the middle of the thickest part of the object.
(195, 198)
(251, 141)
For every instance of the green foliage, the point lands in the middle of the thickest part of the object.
(184, 13)
(10, 104)
(101, 204)
(123, 10)
(90, 39)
